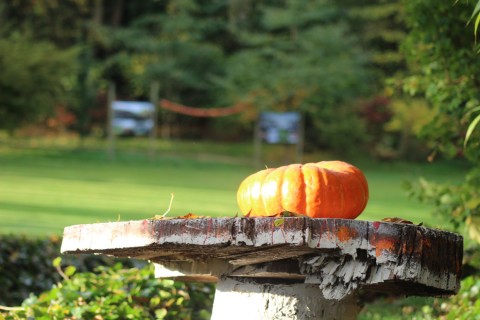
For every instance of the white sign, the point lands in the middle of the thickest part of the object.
(132, 118)
(280, 127)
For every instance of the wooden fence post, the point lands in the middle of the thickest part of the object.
(154, 89)
(110, 116)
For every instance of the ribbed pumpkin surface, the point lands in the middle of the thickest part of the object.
(327, 189)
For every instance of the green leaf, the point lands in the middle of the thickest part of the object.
(161, 313)
(472, 110)
(473, 226)
(470, 129)
(477, 21)
(287, 214)
(57, 262)
(475, 12)
(69, 271)
(180, 301)
(155, 301)
(279, 222)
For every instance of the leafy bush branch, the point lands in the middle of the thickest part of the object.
(116, 293)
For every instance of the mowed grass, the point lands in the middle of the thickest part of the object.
(42, 195)
(46, 187)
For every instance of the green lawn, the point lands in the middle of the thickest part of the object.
(47, 185)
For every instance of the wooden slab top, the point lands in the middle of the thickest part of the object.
(336, 254)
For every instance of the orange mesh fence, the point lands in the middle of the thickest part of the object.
(202, 112)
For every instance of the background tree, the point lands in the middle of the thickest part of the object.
(444, 66)
(35, 77)
(380, 28)
(171, 46)
(276, 55)
(300, 56)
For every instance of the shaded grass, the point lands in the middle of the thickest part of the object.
(46, 185)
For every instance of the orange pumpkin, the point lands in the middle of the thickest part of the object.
(327, 189)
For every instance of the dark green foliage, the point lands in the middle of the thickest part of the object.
(444, 69)
(463, 306)
(118, 293)
(284, 55)
(26, 266)
(455, 203)
(380, 26)
(302, 57)
(102, 286)
(34, 78)
(169, 46)
(58, 22)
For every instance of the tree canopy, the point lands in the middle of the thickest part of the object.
(287, 55)
(443, 60)
(34, 78)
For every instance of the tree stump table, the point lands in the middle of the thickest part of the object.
(284, 268)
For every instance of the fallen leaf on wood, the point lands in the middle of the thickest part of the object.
(279, 215)
(191, 216)
(397, 220)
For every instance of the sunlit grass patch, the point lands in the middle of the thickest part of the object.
(45, 187)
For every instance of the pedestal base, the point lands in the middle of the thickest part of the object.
(246, 299)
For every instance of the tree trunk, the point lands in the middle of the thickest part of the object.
(117, 13)
(98, 12)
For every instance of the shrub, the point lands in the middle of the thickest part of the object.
(25, 266)
(117, 293)
(463, 306)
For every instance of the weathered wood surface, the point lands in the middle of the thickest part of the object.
(339, 256)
